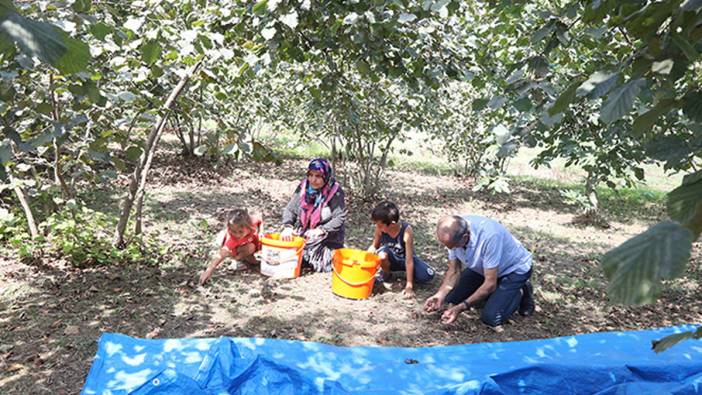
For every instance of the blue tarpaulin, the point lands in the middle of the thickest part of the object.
(600, 363)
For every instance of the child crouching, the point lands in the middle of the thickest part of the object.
(239, 241)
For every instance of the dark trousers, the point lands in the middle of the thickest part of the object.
(500, 304)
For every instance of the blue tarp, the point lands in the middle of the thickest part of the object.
(600, 363)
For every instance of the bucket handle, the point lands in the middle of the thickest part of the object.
(302, 247)
(347, 282)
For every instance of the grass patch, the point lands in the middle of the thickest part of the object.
(636, 202)
(289, 146)
(420, 165)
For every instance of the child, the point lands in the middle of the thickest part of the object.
(239, 240)
(393, 241)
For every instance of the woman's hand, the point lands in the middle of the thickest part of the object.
(314, 234)
(287, 234)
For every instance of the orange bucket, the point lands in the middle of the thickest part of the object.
(354, 273)
(281, 259)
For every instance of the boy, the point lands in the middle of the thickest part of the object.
(393, 241)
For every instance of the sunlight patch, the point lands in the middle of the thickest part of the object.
(192, 357)
(112, 348)
(134, 361)
(128, 381)
(172, 344)
(203, 345)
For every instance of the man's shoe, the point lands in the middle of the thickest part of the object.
(527, 305)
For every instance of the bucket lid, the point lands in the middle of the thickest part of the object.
(352, 256)
(273, 240)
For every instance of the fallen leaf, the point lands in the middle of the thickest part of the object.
(153, 333)
(71, 330)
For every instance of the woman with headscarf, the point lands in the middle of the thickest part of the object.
(317, 212)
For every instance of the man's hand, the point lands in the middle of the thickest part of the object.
(408, 292)
(287, 234)
(451, 314)
(433, 303)
(205, 276)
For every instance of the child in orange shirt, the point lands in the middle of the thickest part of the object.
(239, 240)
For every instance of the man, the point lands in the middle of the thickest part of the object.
(486, 263)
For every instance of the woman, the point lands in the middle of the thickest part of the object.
(317, 212)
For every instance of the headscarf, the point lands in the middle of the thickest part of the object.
(312, 201)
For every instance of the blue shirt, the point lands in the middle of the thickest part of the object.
(491, 246)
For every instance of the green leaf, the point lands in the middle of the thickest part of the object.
(691, 5)
(598, 84)
(200, 150)
(685, 46)
(363, 67)
(497, 102)
(564, 99)
(671, 340)
(231, 149)
(82, 5)
(692, 105)
(639, 173)
(541, 33)
(150, 51)
(620, 101)
(539, 65)
(45, 41)
(670, 149)
(683, 200)
(133, 153)
(479, 104)
(44, 108)
(662, 67)
(100, 30)
(644, 122)
(5, 153)
(635, 269)
(260, 7)
(523, 104)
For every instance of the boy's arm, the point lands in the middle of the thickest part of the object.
(409, 257)
(375, 244)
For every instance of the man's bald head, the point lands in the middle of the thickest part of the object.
(453, 231)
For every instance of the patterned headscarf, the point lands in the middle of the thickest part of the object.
(312, 201)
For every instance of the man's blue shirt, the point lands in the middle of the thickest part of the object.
(491, 246)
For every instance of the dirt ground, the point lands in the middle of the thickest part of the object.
(51, 315)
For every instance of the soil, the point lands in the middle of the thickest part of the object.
(52, 314)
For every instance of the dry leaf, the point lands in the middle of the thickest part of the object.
(153, 333)
(71, 330)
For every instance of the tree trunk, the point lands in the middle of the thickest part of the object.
(58, 174)
(175, 124)
(24, 201)
(591, 194)
(138, 177)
